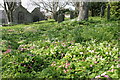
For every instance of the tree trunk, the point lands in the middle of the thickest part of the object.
(9, 8)
(108, 12)
(9, 17)
(55, 15)
(83, 11)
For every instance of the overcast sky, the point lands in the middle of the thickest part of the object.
(28, 5)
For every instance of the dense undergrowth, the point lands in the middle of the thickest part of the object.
(71, 49)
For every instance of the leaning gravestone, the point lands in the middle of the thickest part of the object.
(102, 10)
(60, 17)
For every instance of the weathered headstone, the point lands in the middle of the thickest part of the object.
(102, 10)
(60, 17)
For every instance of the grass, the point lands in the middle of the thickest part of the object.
(71, 49)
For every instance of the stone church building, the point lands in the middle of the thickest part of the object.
(37, 15)
(3, 17)
(21, 15)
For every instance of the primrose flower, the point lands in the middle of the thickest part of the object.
(91, 65)
(92, 51)
(106, 53)
(103, 74)
(53, 64)
(97, 76)
(112, 70)
(62, 54)
(53, 53)
(95, 62)
(66, 71)
(30, 67)
(66, 66)
(8, 51)
(69, 47)
(106, 76)
(32, 47)
(22, 49)
(24, 65)
(81, 52)
(63, 44)
(59, 66)
(102, 59)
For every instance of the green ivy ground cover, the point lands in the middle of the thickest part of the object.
(71, 49)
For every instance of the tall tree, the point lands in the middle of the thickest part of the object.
(83, 11)
(9, 7)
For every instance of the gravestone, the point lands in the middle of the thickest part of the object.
(102, 10)
(60, 17)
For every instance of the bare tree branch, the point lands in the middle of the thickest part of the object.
(1, 5)
(9, 8)
(50, 6)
